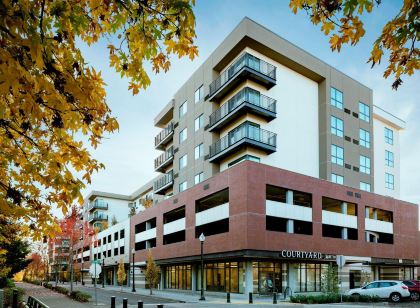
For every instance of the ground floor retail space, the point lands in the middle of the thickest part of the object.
(264, 275)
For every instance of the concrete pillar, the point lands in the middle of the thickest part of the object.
(367, 237)
(290, 226)
(375, 214)
(249, 285)
(194, 274)
(162, 278)
(344, 208)
(366, 212)
(114, 275)
(289, 197)
(344, 234)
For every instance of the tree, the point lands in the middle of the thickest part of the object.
(341, 20)
(121, 274)
(36, 268)
(52, 102)
(329, 280)
(152, 272)
(132, 211)
(114, 220)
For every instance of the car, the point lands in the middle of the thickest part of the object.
(393, 290)
(414, 288)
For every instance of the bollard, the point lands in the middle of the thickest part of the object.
(250, 298)
(112, 301)
(139, 304)
(125, 303)
(274, 298)
(228, 297)
(159, 306)
(15, 299)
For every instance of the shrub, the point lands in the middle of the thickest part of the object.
(332, 298)
(61, 290)
(8, 293)
(48, 285)
(80, 296)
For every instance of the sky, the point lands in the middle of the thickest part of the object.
(129, 153)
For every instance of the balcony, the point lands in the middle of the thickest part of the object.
(246, 134)
(246, 100)
(246, 67)
(164, 159)
(98, 217)
(164, 183)
(98, 205)
(164, 137)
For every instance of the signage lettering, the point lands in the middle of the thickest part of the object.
(296, 254)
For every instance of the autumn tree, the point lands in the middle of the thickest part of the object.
(342, 21)
(121, 274)
(36, 268)
(52, 102)
(152, 272)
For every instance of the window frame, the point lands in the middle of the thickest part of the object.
(389, 184)
(335, 177)
(182, 183)
(362, 112)
(181, 133)
(364, 164)
(200, 92)
(335, 159)
(183, 106)
(365, 186)
(362, 141)
(389, 159)
(200, 148)
(181, 160)
(334, 100)
(200, 178)
(335, 129)
(389, 135)
(200, 119)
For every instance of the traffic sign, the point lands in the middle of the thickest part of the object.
(341, 260)
(95, 269)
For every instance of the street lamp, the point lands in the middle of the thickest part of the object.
(202, 238)
(83, 283)
(103, 272)
(134, 287)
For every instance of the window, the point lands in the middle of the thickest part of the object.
(183, 186)
(337, 126)
(364, 186)
(115, 236)
(243, 158)
(364, 137)
(198, 123)
(337, 98)
(337, 155)
(183, 135)
(183, 161)
(389, 158)
(364, 164)
(199, 151)
(389, 181)
(104, 241)
(122, 234)
(389, 136)
(116, 251)
(198, 95)
(335, 178)
(121, 250)
(199, 178)
(183, 109)
(109, 238)
(364, 112)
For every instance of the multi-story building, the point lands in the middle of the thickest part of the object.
(58, 257)
(283, 163)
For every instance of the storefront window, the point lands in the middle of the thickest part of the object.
(267, 277)
(223, 277)
(178, 277)
(306, 277)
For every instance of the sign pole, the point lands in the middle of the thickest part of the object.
(96, 295)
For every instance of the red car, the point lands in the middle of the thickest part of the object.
(414, 288)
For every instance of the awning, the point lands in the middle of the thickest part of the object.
(391, 264)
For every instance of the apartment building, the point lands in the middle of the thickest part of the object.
(283, 163)
(58, 257)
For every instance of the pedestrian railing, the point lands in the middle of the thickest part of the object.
(35, 303)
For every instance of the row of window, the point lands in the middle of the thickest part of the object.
(104, 239)
(198, 178)
(389, 181)
(107, 254)
(337, 100)
(337, 157)
(198, 97)
(337, 129)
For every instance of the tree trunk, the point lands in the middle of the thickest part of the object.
(71, 269)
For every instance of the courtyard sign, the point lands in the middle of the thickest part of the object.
(297, 254)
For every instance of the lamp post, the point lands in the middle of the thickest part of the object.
(103, 272)
(202, 239)
(83, 283)
(133, 289)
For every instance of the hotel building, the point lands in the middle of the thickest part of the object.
(283, 163)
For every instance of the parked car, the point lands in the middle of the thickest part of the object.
(414, 288)
(391, 289)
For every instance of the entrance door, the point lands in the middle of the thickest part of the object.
(355, 279)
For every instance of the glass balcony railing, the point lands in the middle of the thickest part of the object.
(246, 60)
(98, 216)
(262, 104)
(164, 182)
(164, 134)
(164, 158)
(246, 132)
(98, 204)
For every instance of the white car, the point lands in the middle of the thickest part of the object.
(391, 289)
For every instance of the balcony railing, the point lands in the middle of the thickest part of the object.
(246, 134)
(164, 159)
(163, 137)
(245, 100)
(97, 217)
(164, 182)
(252, 67)
(98, 204)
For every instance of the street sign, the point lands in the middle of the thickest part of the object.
(95, 269)
(341, 260)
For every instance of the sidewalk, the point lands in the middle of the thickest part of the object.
(49, 297)
(186, 296)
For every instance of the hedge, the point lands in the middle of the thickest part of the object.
(332, 298)
(8, 293)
